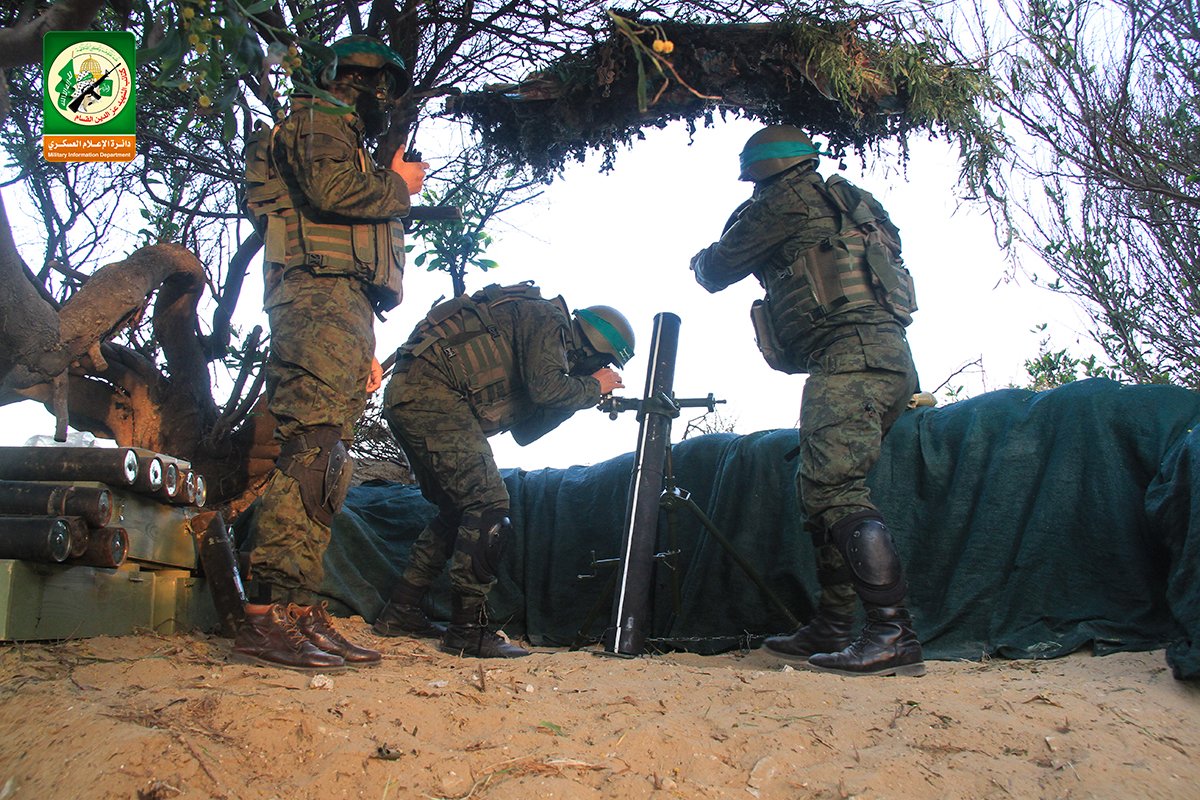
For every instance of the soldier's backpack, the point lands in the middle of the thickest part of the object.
(463, 338)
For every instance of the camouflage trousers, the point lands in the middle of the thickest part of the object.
(451, 459)
(322, 343)
(858, 385)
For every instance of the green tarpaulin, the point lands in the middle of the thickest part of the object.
(1030, 525)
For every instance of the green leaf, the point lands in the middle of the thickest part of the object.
(229, 128)
(552, 727)
(171, 46)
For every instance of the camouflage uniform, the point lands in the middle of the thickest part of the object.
(861, 373)
(340, 230)
(442, 416)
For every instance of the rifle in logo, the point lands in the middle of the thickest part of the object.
(91, 90)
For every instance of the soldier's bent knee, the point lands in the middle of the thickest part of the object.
(325, 480)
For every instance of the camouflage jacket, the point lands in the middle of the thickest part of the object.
(338, 213)
(515, 375)
(784, 218)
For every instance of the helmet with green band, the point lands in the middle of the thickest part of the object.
(774, 149)
(370, 53)
(607, 331)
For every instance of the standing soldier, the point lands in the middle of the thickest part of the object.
(837, 301)
(502, 359)
(329, 218)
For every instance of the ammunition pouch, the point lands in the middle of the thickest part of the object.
(856, 267)
(867, 548)
(325, 479)
(768, 343)
(485, 550)
(373, 252)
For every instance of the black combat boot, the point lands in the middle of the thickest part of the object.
(406, 620)
(469, 636)
(824, 633)
(402, 616)
(887, 645)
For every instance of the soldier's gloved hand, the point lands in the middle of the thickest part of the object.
(375, 379)
(413, 172)
(609, 380)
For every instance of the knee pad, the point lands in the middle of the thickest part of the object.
(325, 480)
(484, 542)
(866, 546)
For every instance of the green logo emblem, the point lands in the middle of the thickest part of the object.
(88, 95)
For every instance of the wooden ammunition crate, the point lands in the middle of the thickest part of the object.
(158, 532)
(52, 601)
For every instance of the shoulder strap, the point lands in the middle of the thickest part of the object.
(849, 199)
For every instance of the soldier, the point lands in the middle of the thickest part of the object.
(334, 257)
(837, 301)
(502, 359)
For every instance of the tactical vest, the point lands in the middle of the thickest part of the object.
(462, 338)
(858, 266)
(370, 251)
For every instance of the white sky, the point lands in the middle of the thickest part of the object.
(625, 239)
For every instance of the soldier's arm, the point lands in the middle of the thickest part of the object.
(542, 361)
(325, 160)
(747, 244)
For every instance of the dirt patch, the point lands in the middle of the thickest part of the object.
(164, 717)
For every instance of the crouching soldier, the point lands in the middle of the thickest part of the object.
(502, 359)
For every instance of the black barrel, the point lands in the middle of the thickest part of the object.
(201, 491)
(107, 547)
(219, 561)
(150, 475)
(631, 604)
(170, 487)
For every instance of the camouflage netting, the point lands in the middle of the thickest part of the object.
(858, 83)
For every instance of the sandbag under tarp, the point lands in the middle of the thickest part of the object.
(1030, 525)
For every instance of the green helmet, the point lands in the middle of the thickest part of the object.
(368, 52)
(774, 149)
(607, 331)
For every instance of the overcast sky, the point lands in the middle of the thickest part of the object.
(625, 239)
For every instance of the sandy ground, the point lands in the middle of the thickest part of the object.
(162, 717)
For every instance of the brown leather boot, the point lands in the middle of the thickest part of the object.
(316, 624)
(272, 638)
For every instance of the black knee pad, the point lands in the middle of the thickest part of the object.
(866, 546)
(324, 481)
(485, 550)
